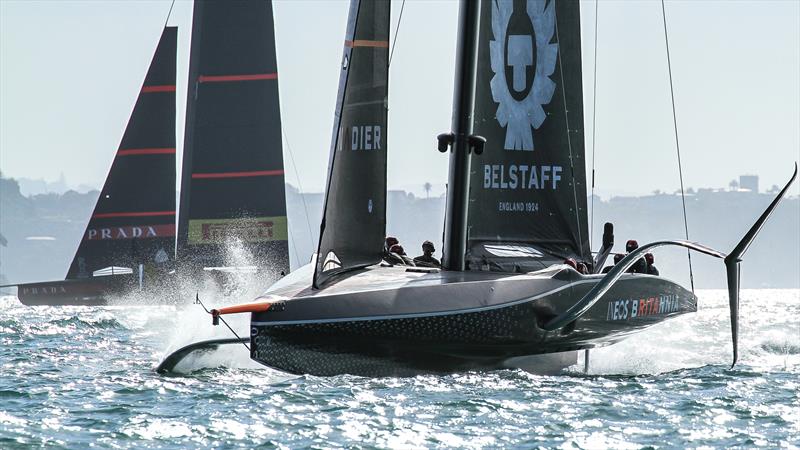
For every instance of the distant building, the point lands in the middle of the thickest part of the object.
(749, 182)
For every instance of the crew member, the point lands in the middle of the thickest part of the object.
(389, 242)
(388, 256)
(651, 268)
(617, 258)
(427, 259)
(640, 266)
(398, 251)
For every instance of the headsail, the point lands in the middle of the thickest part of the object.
(530, 180)
(354, 215)
(232, 187)
(134, 219)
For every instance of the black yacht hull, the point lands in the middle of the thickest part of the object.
(166, 288)
(451, 322)
(84, 292)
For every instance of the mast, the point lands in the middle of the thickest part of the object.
(455, 229)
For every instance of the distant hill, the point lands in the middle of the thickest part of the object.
(43, 230)
(28, 186)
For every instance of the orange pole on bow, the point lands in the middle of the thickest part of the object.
(237, 309)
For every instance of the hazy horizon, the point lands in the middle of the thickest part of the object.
(70, 72)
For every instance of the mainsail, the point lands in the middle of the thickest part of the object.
(530, 181)
(232, 189)
(354, 216)
(134, 219)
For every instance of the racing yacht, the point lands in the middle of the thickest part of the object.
(516, 211)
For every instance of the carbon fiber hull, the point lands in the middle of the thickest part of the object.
(88, 292)
(104, 290)
(387, 322)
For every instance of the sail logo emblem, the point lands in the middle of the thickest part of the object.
(522, 59)
(331, 262)
(246, 229)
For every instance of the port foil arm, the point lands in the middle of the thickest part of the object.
(593, 296)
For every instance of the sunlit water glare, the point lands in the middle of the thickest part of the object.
(76, 376)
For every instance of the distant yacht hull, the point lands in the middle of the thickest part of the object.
(388, 322)
(85, 292)
(163, 289)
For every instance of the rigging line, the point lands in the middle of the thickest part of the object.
(594, 121)
(396, 30)
(677, 142)
(290, 237)
(569, 138)
(299, 185)
(234, 333)
(169, 13)
(197, 301)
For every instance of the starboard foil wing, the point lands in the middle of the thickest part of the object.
(133, 221)
(354, 216)
(530, 180)
(232, 185)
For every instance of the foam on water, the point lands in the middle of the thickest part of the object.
(769, 335)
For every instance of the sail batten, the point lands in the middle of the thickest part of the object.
(133, 221)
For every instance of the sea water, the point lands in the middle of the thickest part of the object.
(75, 377)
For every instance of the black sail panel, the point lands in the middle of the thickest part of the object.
(529, 185)
(133, 221)
(354, 216)
(233, 207)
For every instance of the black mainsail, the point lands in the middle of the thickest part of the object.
(354, 215)
(232, 187)
(133, 221)
(530, 181)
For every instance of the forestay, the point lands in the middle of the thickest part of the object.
(354, 217)
(530, 181)
(233, 206)
(133, 221)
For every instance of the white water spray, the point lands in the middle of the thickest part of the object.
(769, 337)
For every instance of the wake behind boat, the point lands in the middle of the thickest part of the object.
(516, 211)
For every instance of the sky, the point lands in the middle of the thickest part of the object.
(70, 72)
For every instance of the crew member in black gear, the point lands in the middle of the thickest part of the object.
(651, 268)
(389, 242)
(617, 258)
(398, 251)
(640, 266)
(388, 256)
(427, 259)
